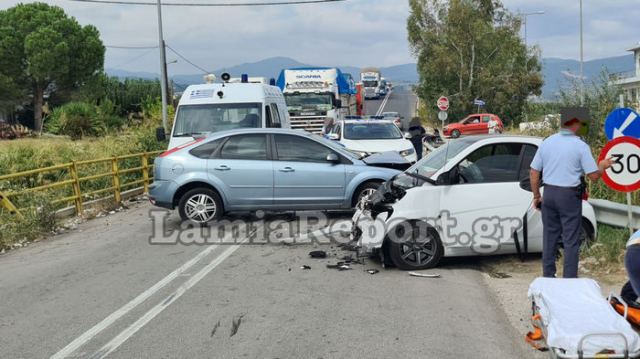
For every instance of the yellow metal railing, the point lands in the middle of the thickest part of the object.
(70, 186)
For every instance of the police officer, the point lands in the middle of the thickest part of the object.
(561, 160)
(417, 134)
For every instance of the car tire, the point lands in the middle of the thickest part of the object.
(200, 206)
(364, 189)
(409, 253)
(455, 133)
(586, 234)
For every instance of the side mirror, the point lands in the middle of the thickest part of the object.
(277, 125)
(161, 135)
(333, 158)
(407, 135)
(337, 103)
(525, 184)
(449, 178)
(333, 136)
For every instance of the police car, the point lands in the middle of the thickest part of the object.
(367, 135)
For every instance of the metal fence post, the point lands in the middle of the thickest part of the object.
(4, 202)
(116, 180)
(73, 170)
(145, 171)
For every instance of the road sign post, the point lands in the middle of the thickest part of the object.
(443, 106)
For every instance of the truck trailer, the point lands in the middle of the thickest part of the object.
(317, 96)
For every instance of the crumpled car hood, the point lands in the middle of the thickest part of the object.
(390, 159)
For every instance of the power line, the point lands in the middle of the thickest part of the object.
(276, 3)
(187, 60)
(133, 59)
(131, 47)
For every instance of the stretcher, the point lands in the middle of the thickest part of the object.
(576, 321)
(630, 311)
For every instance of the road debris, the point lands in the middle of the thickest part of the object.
(341, 266)
(215, 328)
(318, 254)
(372, 271)
(235, 324)
(422, 275)
(305, 267)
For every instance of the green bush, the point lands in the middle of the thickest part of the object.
(76, 120)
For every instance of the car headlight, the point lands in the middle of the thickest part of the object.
(408, 152)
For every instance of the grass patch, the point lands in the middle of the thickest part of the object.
(607, 253)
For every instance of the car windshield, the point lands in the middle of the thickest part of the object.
(309, 101)
(208, 118)
(371, 131)
(435, 160)
(370, 83)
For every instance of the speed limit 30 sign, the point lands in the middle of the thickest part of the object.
(624, 174)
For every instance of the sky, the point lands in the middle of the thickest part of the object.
(354, 32)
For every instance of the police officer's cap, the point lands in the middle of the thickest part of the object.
(568, 114)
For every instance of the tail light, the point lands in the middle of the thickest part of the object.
(176, 149)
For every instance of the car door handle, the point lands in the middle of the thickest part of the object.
(287, 169)
(222, 168)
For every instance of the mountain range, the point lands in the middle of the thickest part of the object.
(557, 72)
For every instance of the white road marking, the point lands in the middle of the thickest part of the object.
(383, 104)
(106, 322)
(147, 317)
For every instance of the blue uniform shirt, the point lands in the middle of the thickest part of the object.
(563, 158)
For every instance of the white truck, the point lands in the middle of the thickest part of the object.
(371, 80)
(317, 97)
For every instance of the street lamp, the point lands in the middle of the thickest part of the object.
(524, 16)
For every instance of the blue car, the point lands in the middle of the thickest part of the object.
(265, 169)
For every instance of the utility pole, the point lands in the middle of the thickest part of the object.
(163, 67)
(581, 60)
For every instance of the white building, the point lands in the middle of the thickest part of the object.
(630, 81)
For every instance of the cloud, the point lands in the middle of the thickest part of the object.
(354, 32)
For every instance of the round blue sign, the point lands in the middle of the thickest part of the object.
(622, 122)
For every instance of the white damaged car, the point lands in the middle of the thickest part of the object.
(469, 197)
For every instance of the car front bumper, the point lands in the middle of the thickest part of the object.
(369, 232)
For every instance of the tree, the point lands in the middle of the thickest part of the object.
(468, 49)
(43, 50)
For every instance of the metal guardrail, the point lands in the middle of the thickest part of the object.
(73, 181)
(615, 214)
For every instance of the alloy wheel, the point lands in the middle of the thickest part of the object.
(201, 208)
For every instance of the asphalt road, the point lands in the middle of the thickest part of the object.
(104, 291)
(402, 100)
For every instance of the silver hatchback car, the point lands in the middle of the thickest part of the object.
(265, 169)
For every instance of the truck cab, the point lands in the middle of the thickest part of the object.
(371, 78)
(208, 108)
(317, 97)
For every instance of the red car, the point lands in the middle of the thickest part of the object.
(474, 125)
